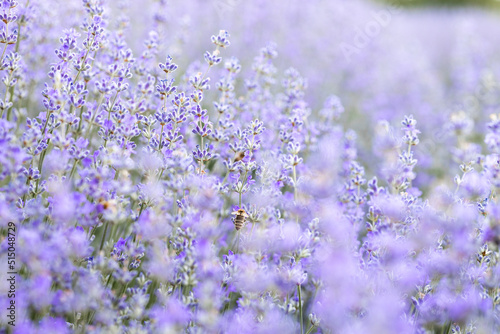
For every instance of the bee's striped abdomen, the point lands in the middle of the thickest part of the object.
(240, 219)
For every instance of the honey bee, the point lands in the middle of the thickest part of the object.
(107, 204)
(240, 218)
(239, 156)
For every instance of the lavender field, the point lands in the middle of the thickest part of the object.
(230, 166)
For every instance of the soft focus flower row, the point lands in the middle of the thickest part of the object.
(127, 153)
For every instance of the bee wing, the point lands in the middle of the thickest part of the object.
(245, 215)
(234, 212)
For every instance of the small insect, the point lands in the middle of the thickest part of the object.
(240, 218)
(107, 204)
(239, 156)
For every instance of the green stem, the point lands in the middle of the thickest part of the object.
(294, 183)
(83, 62)
(7, 90)
(42, 157)
(46, 122)
(80, 122)
(161, 138)
(90, 318)
(73, 169)
(40, 165)
(104, 235)
(3, 53)
(112, 105)
(11, 100)
(201, 141)
(6, 33)
(123, 290)
(238, 241)
(152, 294)
(310, 329)
(300, 310)
(19, 26)
(447, 327)
(89, 130)
(109, 114)
(242, 185)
